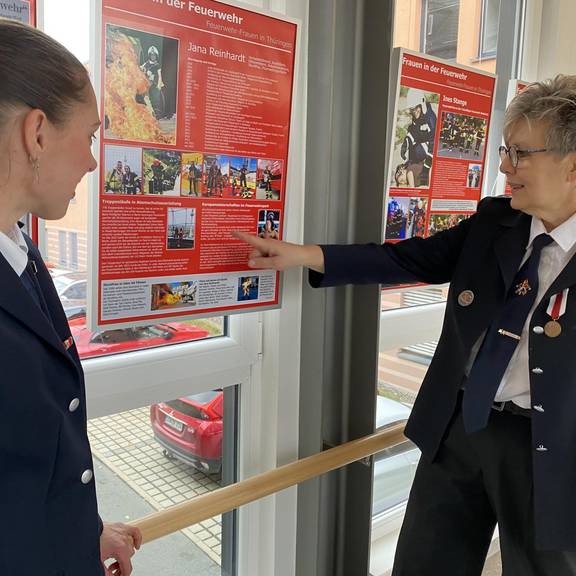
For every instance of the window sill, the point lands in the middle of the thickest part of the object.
(484, 58)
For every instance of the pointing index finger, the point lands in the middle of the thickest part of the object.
(248, 238)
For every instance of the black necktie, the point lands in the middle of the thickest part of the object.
(500, 342)
(31, 283)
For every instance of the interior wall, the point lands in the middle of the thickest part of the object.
(557, 49)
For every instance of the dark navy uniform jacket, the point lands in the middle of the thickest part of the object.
(482, 254)
(49, 524)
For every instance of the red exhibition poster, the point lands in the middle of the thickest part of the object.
(196, 101)
(21, 10)
(438, 142)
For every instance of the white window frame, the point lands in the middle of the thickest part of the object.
(132, 379)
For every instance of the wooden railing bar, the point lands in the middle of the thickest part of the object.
(231, 497)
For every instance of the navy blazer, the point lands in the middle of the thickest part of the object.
(49, 520)
(482, 254)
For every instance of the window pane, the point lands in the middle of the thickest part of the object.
(66, 250)
(391, 299)
(399, 379)
(465, 32)
(441, 28)
(491, 12)
(157, 456)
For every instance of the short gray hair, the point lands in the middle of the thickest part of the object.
(38, 72)
(550, 101)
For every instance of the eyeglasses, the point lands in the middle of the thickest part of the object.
(515, 153)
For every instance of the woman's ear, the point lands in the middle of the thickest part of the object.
(35, 128)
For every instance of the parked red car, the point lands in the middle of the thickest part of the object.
(190, 429)
(91, 344)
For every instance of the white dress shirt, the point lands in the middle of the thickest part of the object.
(515, 384)
(13, 247)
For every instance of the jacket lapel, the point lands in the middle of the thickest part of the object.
(565, 279)
(510, 246)
(16, 301)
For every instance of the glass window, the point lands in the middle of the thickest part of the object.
(62, 259)
(153, 457)
(440, 28)
(489, 32)
(467, 33)
(105, 342)
(73, 237)
(66, 246)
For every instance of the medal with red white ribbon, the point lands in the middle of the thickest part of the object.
(556, 308)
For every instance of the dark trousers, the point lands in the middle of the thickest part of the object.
(476, 481)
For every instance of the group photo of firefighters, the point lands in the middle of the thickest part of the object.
(217, 175)
(462, 136)
(441, 222)
(413, 153)
(155, 171)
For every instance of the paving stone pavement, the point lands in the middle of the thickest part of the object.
(124, 442)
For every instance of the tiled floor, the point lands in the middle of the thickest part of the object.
(124, 443)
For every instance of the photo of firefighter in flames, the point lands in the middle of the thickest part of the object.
(141, 84)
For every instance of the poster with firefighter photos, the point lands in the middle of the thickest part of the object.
(440, 122)
(196, 102)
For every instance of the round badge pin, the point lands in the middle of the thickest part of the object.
(465, 298)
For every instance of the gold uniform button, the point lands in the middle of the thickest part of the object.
(466, 297)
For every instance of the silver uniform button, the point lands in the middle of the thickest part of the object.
(87, 476)
(538, 408)
(538, 330)
(541, 448)
(537, 371)
(466, 297)
(73, 406)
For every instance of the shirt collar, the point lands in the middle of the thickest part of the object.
(14, 248)
(564, 235)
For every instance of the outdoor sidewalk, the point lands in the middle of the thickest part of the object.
(125, 444)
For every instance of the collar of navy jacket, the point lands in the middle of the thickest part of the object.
(15, 301)
(511, 246)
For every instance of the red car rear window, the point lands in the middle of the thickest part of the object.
(185, 408)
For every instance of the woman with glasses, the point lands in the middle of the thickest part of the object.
(49, 517)
(495, 417)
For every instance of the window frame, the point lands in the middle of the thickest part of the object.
(482, 54)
